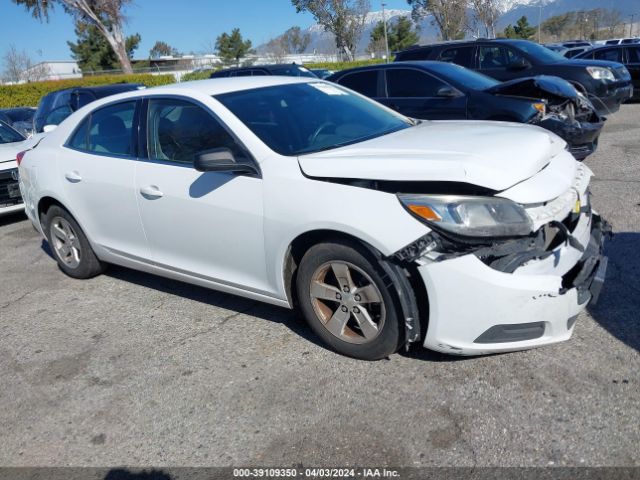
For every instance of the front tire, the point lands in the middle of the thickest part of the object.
(69, 245)
(344, 297)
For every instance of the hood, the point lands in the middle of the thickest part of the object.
(8, 151)
(541, 86)
(583, 62)
(493, 155)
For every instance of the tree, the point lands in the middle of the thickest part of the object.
(557, 25)
(18, 67)
(295, 41)
(106, 15)
(93, 52)
(231, 47)
(486, 13)
(611, 20)
(162, 49)
(276, 49)
(401, 35)
(343, 18)
(522, 29)
(448, 15)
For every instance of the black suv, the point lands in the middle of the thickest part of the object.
(627, 54)
(56, 106)
(607, 84)
(286, 69)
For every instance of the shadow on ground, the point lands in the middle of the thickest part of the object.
(618, 309)
(264, 311)
(12, 218)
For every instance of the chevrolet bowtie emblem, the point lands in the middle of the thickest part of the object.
(15, 175)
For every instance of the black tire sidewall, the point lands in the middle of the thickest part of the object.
(389, 339)
(89, 265)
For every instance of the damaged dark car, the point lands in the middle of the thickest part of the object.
(445, 91)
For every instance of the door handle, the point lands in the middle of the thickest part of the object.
(73, 176)
(151, 192)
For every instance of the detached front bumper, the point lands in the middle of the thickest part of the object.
(475, 309)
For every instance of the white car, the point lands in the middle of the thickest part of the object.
(469, 237)
(11, 143)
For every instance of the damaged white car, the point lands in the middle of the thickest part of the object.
(468, 237)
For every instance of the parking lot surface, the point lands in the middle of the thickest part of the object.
(132, 369)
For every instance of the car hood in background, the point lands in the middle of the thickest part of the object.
(493, 155)
(541, 86)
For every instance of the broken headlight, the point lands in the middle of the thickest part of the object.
(469, 216)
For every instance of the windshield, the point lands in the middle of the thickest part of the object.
(301, 118)
(539, 52)
(9, 135)
(463, 76)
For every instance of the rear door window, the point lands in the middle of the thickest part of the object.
(634, 54)
(610, 54)
(497, 57)
(365, 82)
(458, 55)
(411, 83)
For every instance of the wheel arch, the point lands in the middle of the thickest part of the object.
(408, 286)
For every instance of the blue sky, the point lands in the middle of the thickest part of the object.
(188, 25)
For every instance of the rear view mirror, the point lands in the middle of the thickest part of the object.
(49, 128)
(221, 160)
(448, 92)
(520, 64)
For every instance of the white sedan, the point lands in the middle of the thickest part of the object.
(468, 237)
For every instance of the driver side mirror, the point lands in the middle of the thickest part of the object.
(49, 128)
(519, 64)
(447, 92)
(221, 160)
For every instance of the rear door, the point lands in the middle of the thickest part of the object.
(418, 94)
(633, 65)
(97, 169)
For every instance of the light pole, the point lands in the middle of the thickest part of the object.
(631, 25)
(539, 18)
(386, 39)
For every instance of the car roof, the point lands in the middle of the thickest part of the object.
(213, 86)
(266, 67)
(402, 63)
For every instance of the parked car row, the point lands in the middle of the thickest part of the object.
(607, 84)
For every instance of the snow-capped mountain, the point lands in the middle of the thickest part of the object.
(322, 41)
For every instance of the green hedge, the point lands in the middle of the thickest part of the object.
(344, 65)
(29, 94)
(201, 75)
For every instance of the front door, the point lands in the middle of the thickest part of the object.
(207, 225)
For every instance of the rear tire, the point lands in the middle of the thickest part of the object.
(69, 245)
(344, 297)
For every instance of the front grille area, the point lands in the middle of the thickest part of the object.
(9, 190)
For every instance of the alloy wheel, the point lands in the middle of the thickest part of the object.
(65, 242)
(347, 302)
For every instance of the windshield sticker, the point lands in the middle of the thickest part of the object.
(328, 89)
